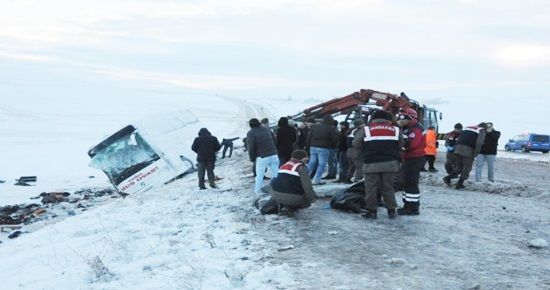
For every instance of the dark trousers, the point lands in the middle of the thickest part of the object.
(342, 165)
(450, 164)
(332, 163)
(225, 147)
(208, 167)
(430, 159)
(379, 184)
(463, 167)
(410, 178)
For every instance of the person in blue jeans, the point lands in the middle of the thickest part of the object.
(488, 154)
(262, 150)
(322, 138)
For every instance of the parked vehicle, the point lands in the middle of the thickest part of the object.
(529, 142)
(148, 153)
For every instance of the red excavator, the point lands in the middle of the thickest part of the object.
(363, 102)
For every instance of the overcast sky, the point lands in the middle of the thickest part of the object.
(473, 59)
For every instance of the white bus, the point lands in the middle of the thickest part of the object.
(148, 153)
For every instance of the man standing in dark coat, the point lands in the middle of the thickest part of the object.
(286, 137)
(321, 139)
(262, 151)
(342, 151)
(206, 147)
(488, 153)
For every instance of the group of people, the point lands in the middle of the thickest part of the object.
(468, 145)
(377, 152)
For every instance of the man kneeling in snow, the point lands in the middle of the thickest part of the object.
(292, 189)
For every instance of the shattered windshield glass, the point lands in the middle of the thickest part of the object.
(124, 156)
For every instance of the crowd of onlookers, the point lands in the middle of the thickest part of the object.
(387, 148)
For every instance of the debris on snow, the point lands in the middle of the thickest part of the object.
(538, 244)
(99, 271)
(287, 248)
(396, 261)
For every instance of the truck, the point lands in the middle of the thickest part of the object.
(147, 153)
(361, 103)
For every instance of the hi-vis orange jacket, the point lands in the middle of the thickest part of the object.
(431, 143)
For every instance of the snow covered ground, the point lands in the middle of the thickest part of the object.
(178, 237)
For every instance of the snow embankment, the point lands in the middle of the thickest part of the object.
(176, 237)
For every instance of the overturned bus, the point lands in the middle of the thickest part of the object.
(148, 153)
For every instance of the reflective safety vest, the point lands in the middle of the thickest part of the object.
(469, 136)
(381, 143)
(288, 179)
(431, 143)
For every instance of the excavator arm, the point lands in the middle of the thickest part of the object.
(389, 102)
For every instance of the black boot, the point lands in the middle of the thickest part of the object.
(369, 214)
(392, 213)
(409, 208)
(201, 186)
(460, 184)
(213, 185)
(447, 180)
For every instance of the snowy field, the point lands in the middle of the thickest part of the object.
(178, 237)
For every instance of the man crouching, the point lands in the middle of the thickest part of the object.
(292, 188)
(380, 142)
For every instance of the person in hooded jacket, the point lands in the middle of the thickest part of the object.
(322, 138)
(413, 160)
(488, 154)
(206, 147)
(467, 148)
(286, 137)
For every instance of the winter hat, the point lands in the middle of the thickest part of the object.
(283, 122)
(254, 123)
(265, 121)
(299, 154)
(358, 122)
(458, 126)
(204, 132)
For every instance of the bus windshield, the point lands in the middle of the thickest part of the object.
(123, 156)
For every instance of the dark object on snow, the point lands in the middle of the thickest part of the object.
(2, 181)
(17, 214)
(54, 197)
(24, 180)
(266, 204)
(15, 234)
(350, 199)
(228, 144)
